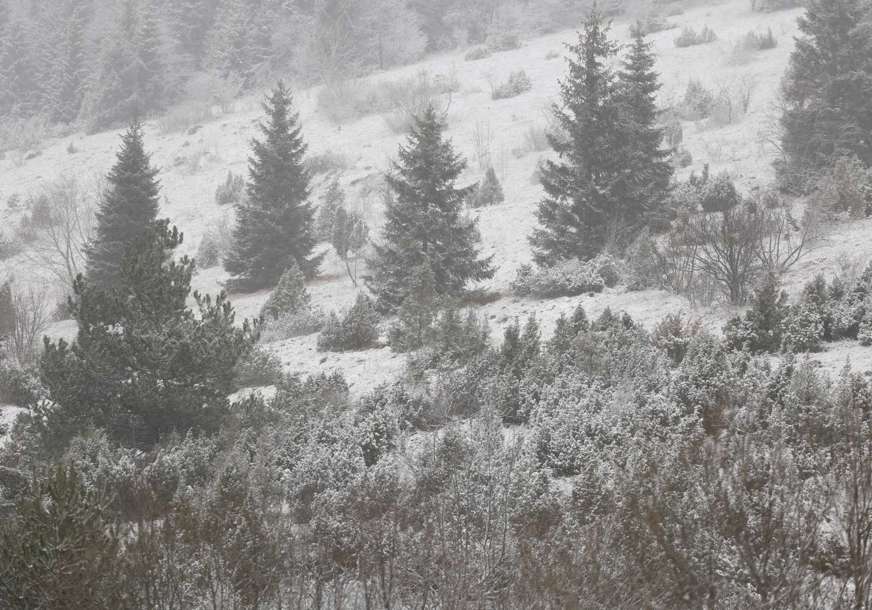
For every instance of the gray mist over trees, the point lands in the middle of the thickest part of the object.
(201, 424)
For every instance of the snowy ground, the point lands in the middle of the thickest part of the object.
(193, 162)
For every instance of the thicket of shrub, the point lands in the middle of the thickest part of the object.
(569, 278)
(517, 84)
(690, 37)
(357, 329)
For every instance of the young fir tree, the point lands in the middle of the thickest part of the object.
(128, 209)
(585, 188)
(289, 296)
(274, 226)
(827, 89)
(651, 171)
(144, 363)
(424, 221)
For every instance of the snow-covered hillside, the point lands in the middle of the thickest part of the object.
(195, 160)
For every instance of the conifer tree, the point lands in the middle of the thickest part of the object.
(19, 74)
(191, 22)
(585, 188)
(651, 172)
(424, 221)
(274, 227)
(144, 363)
(289, 296)
(67, 81)
(129, 207)
(827, 89)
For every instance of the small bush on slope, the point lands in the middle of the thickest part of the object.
(487, 192)
(356, 330)
(569, 278)
(231, 190)
(690, 37)
(517, 83)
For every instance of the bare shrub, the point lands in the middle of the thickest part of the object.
(732, 103)
(734, 248)
(482, 143)
(30, 319)
(409, 98)
(64, 228)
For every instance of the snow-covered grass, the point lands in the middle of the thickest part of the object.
(195, 161)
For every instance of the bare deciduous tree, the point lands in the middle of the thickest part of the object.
(62, 241)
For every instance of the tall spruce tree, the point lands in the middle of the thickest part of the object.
(827, 89)
(70, 71)
(651, 172)
(143, 363)
(274, 225)
(424, 220)
(585, 188)
(128, 209)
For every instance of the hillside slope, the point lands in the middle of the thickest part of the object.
(193, 162)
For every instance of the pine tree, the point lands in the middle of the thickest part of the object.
(150, 63)
(274, 227)
(129, 207)
(113, 95)
(19, 71)
(424, 221)
(651, 172)
(68, 80)
(585, 188)
(240, 41)
(191, 21)
(827, 90)
(143, 364)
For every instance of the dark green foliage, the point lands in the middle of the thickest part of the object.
(826, 91)
(128, 209)
(605, 183)
(578, 198)
(143, 364)
(274, 224)
(674, 334)
(356, 330)
(417, 312)
(424, 222)
(61, 547)
(760, 329)
(289, 296)
(257, 367)
(650, 170)
(7, 312)
(453, 341)
(488, 191)
(719, 194)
